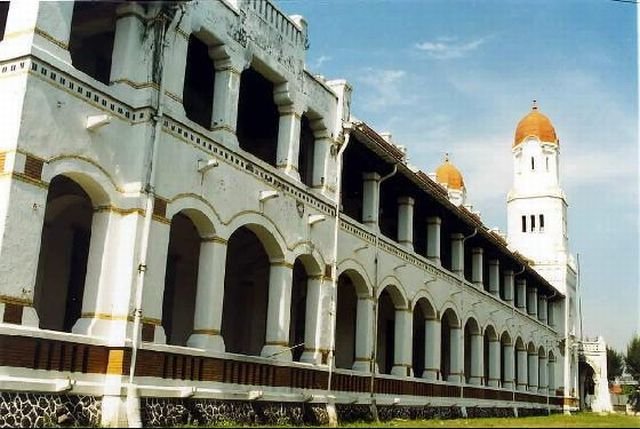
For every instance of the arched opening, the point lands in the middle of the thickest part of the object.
(520, 362)
(4, 13)
(423, 313)
(93, 29)
(246, 293)
(542, 370)
(472, 352)
(298, 309)
(506, 361)
(532, 354)
(386, 332)
(199, 82)
(449, 346)
(64, 251)
(551, 377)
(492, 354)
(346, 318)
(181, 280)
(258, 116)
(586, 385)
(306, 151)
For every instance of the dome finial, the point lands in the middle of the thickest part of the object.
(534, 105)
(446, 157)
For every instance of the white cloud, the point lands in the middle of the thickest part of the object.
(385, 88)
(444, 48)
(320, 61)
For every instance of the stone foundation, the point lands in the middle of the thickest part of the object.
(25, 410)
(162, 412)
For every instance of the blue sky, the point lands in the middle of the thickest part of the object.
(457, 76)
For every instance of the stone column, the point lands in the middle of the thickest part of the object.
(477, 266)
(403, 343)
(111, 275)
(314, 321)
(371, 200)
(494, 363)
(457, 254)
(508, 286)
(127, 65)
(533, 371)
(322, 162)
(153, 293)
(542, 308)
(532, 301)
(432, 349)
(521, 355)
(405, 222)
(279, 312)
(364, 339)
(434, 224)
(551, 313)
(226, 94)
(494, 277)
(509, 376)
(207, 321)
(477, 359)
(521, 295)
(542, 378)
(289, 140)
(456, 358)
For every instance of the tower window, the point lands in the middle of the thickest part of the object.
(4, 13)
(547, 162)
(524, 224)
(541, 222)
(533, 164)
(533, 223)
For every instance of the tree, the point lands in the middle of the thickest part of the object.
(614, 364)
(632, 359)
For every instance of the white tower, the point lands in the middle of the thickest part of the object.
(537, 223)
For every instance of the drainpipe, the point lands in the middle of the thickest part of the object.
(334, 266)
(133, 405)
(374, 351)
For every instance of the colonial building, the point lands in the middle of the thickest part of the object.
(194, 227)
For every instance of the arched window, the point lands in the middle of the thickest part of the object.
(533, 164)
(547, 163)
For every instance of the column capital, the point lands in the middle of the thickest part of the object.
(406, 201)
(477, 250)
(494, 262)
(434, 220)
(457, 236)
(371, 176)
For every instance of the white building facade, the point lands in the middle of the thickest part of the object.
(170, 179)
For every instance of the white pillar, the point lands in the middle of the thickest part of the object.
(127, 65)
(477, 266)
(533, 372)
(494, 277)
(477, 359)
(508, 286)
(175, 68)
(403, 340)
(207, 321)
(542, 308)
(494, 363)
(314, 322)
(432, 349)
(456, 357)
(521, 295)
(405, 222)
(322, 162)
(457, 254)
(521, 377)
(434, 224)
(279, 312)
(509, 376)
(551, 313)
(111, 271)
(542, 374)
(364, 335)
(371, 200)
(288, 136)
(532, 301)
(226, 94)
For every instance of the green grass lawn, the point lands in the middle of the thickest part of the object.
(578, 420)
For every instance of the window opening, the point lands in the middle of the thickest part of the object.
(199, 79)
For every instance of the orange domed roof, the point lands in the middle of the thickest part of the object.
(535, 124)
(449, 175)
